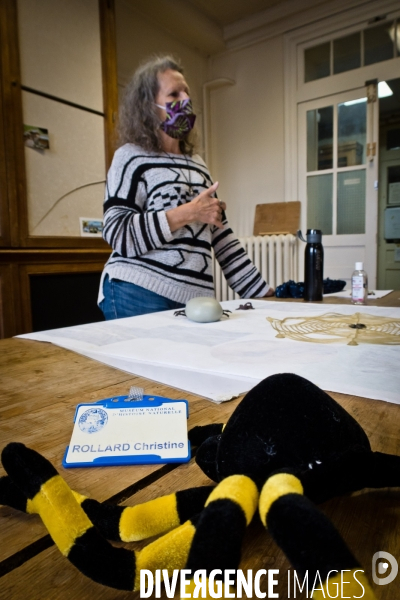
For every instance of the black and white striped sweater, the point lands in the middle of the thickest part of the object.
(141, 187)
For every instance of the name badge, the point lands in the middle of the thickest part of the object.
(122, 431)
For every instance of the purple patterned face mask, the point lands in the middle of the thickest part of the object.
(180, 118)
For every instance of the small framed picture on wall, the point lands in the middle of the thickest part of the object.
(91, 227)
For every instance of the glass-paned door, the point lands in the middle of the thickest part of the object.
(337, 179)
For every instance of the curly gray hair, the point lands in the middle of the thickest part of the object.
(138, 120)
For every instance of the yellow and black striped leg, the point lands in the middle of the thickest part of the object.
(134, 523)
(309, 539)
(199, 434)
(73, 532)
(221, 526)
(350, 472)
(206, 438)
(11, 495)
(65, 520)
(119, 523)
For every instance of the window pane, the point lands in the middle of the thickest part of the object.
(389, 113)
(351, 202)
(320, 139)
(393, 182)
(347, 53)
(317, 62)
(379, 43)
(352, 118)
(393, 139)
(319, 203)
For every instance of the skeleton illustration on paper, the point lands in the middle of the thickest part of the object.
(333, 327)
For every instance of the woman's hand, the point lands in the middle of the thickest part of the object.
(204, 208)
(271, 292)
(208, 209)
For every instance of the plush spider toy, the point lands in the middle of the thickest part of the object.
(287, 446)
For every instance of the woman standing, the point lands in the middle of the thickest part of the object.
(161, 216)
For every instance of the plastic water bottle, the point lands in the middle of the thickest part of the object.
(359, 284)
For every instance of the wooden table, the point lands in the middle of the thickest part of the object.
(391, 299)
(41, 385)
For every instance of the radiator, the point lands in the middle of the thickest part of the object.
(275, 256)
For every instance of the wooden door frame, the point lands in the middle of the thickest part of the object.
(365, 242)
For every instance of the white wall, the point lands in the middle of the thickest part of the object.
(60, 49)
(247, 130)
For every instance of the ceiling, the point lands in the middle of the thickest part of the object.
(209, 26)
(225, 12)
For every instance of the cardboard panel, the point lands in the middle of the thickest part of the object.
(276, 218)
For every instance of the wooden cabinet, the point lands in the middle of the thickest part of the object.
(46, 289)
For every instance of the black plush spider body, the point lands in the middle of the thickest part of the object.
(285, 422)
(287, 446)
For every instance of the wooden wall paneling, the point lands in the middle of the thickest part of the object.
(67, 241)
(22, 255)
(4, 206)
(8, 300)
(16, 267)
(63, 242)
(55, 264)
(110, 76)
(12, 122)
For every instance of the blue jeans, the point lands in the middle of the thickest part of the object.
(124, 299)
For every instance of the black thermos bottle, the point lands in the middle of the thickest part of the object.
(313, 265)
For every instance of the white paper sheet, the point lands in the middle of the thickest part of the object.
(372, 295)
(223, 359)
(214, 387)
